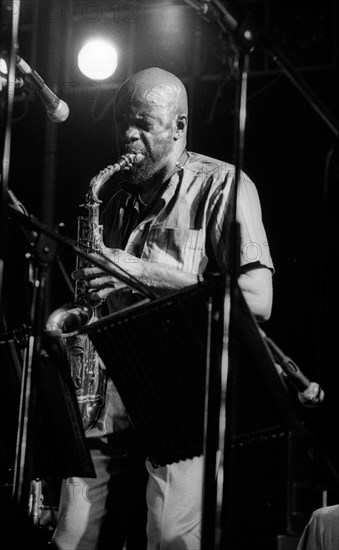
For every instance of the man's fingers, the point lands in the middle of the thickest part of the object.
(119, 257)
(101, 295)
(86, 273)
(100, 282)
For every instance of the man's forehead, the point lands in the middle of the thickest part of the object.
(162, 96)
(157, 96)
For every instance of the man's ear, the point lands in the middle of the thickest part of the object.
(181, 126)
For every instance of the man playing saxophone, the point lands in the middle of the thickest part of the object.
(167, 227)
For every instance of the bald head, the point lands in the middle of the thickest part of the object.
(151, 121)
(158, 88)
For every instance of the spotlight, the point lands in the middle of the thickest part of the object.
(98, 59)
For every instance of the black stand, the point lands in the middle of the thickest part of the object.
(54, 445)
(43, 252)
(235, 22)
(45, 372)
(50, 436)
(212, 514)
(9, 23)
(23, 471)
(159, 355)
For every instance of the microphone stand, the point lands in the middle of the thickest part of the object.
(42, 254)
(70, 244)
(234, 21)
(9, 19)
(218, 513)
(225, 510)
(217, 518)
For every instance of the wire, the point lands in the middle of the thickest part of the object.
(264, 88)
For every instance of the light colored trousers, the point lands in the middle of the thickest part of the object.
(322, 531)
(174, 504)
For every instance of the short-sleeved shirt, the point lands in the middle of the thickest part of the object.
(188, 226)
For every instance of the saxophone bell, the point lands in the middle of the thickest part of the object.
(70, 318)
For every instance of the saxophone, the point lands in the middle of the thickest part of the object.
(87, 369)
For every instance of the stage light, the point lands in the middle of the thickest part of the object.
(98, 59)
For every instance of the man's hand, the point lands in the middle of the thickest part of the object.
(159, 278)
(98, 281)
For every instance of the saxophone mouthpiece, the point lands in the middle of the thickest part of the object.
(125, 162)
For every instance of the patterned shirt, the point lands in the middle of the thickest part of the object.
(186, 227)
(189, 224)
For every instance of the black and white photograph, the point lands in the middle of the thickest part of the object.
(169, 240)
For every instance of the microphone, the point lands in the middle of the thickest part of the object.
(310, 393)
(57, 110)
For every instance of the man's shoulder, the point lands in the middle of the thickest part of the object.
(220, 170)
(208, 171)
(199, 161)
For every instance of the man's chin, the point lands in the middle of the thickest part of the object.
(141, 172)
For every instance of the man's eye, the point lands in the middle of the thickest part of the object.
(141, 124)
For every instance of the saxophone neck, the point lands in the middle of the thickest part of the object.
(92, 195)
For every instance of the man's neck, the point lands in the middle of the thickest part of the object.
(149, 188)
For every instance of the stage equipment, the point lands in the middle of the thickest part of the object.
(98, 59)
(236, 25)
(56, 443)
(57, 110)
(11, 359)
(310, 393)
(45, 355)
(159, 354)
(9, 23)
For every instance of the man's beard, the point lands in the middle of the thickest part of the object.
(142, 172)
(151, 165)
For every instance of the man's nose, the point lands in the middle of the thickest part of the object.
(130, 134)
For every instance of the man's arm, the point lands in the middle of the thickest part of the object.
(256, 286)
(255, 283)
(162, 278)
(158, 277)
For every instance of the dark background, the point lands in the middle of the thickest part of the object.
(290, 152)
